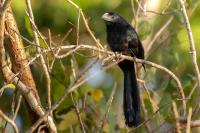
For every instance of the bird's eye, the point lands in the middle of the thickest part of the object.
(111, 13)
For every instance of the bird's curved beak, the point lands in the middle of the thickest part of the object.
(106, 17)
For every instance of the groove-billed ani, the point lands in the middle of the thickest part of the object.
(122, 37)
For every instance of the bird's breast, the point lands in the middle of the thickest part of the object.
(117, 43)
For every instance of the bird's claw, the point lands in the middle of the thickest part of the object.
(117, 56)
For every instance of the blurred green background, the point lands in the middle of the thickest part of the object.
(171, 49)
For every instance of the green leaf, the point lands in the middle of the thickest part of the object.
(28, 25)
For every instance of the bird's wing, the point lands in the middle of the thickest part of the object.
(134, 45)
(133, 42)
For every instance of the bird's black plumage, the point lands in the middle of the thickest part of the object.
(122, 37)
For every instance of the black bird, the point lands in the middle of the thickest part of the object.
(122, 37)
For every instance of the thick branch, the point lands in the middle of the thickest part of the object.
(17, 53)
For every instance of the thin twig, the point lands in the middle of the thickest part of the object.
(189, 120)
(17, 108)
(12, 123)
(192, 91)
(78, 27)
(65, 36)
(176, 114)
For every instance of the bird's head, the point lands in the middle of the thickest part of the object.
(111, 17)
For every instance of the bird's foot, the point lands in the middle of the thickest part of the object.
(117, 56)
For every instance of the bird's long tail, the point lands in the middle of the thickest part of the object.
(131, 96)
